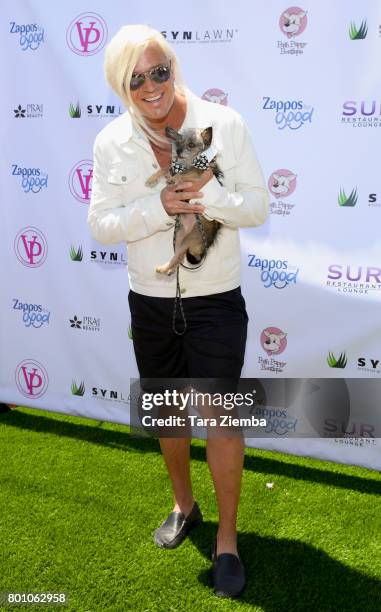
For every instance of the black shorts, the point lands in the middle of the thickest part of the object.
(213, 345)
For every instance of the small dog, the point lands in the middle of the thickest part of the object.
(189, 161)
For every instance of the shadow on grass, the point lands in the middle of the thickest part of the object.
(94, 434)
(291, 576)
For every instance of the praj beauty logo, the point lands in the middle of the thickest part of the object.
(31, 378)
(31, 247)
(292, 23)
(80, 180)
(87, 34)
(281, 184)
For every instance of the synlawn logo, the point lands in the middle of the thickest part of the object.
(351, 200)
(76, 255)
(78, 390)
(358, 33)
(341, 362)
(74, 111)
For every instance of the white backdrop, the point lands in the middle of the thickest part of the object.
(310, 95)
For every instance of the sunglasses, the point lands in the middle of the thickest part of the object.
(159, 74)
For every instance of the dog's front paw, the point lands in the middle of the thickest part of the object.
(152, 181)
(166, 269)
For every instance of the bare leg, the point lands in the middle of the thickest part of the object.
(176, 457)
(225, 458)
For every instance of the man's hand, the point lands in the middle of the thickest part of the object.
(173, 198)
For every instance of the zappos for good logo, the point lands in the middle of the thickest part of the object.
(80, 180)
(216, 95)
(31, 247)
(274, 272)
(31, 378)
(362, 113)
(354, 279)
(281, 184)
(292, 114)
(30, 35)
(87, 34)
(33, 315)
(32, 180)
(273, 340)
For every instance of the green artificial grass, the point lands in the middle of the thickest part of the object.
(80, 499)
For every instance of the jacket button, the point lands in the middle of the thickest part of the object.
(183, 290)
(169, 224)
(124, 178)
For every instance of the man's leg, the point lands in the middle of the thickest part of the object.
(176, 456)
(225, 459)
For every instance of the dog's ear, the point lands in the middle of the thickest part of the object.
(172, 134)
(207, 136)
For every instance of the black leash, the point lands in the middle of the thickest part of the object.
(200, 162)
(178, 300)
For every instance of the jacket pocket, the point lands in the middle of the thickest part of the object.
(122, 174)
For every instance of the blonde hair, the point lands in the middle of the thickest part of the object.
(121, 56)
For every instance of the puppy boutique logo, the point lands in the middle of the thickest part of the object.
(31, 247)
(80, 180)
(292, 23)
(363, 113)
(98, 111)
(208, 35)
(29, 35)
(281, 184)
(32, 180)
(276, 273)
(31, 111)
(292, 114)
(360, 33)
(273, 341)
(31, 378)
(354, 279)
(339, 362)
(216, 95)
(87, 34)
(33, 315)
(351, 200)
(85, 323)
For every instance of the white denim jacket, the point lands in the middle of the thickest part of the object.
(122, 208)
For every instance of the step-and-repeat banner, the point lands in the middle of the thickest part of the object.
(307, 81)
